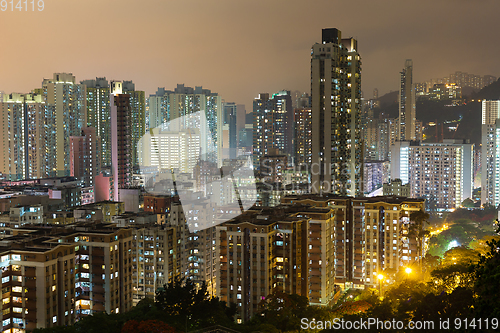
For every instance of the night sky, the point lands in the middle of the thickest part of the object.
(239, 48)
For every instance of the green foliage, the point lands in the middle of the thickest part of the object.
(468, 203)
(417, 230)
(183, 303)
(284, 312)
(487, 275)
(466, 227)
(481, 245)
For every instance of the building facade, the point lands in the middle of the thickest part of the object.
(489, 183)
(272, 124)
(181, 103)
(302, 137)
(440, 172)
(22, 152)
(407, 115)
(65, 116)
(336, 121)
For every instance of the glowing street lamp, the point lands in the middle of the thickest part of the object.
(380, 278)
(408, 271)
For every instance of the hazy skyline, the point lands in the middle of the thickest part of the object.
(241, 48)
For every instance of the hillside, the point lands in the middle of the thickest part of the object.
(489, 92)
(468, 116)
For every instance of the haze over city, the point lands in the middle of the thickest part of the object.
(242, 48)
(249, 166)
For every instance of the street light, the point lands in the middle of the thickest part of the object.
(408, 271)
(380, 278)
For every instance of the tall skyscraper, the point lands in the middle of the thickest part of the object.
(262, 127)
(137, 118)
(489, 141)
(302, 136)
(121, 162)
(159, 112)
(84, 161)
(12, 153)
(98, 115)
(407, 104)
(22, 151)
(273, 124)
(337, 155)
(231, 130)
(65, 115)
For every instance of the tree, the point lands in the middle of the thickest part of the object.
(285, 311)
(183, 303)
(417, 230)
(100, 322)
(468, 203)
(486, 273)
(481, 245)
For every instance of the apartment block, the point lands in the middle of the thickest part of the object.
(272, 125)
(441, 172)
(355, 242)
(302, 136)
(53, 277)
(286, 248)
(490, 114)
(336, 115)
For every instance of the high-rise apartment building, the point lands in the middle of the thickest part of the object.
(56, 277)
(337, 154)
(156, 249)
(262, 127)
(231, 114)
(65, 116)
(98, 115)
(313, 245)
(159, 112)
(22, 152)
(168, 150)
(478, 82)
(284, 249)
(370, 235)
(166, 106)
(272, 124)
(137, 101)
(439, 172)
(84, 159)
(379, 134)
(121, 158)
(302, 136)
(407, 115)
(376, 173)
(489, 152)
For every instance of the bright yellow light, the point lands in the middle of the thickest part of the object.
(380, 277)
(408, 270)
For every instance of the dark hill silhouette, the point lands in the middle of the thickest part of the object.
(491, 91)
(388, 99)
(441, 113)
